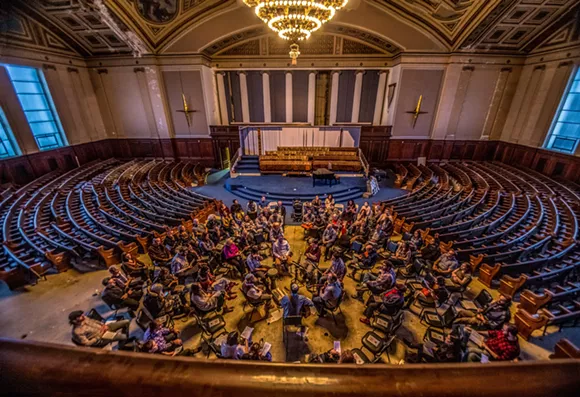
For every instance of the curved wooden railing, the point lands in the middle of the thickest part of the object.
(40, 369)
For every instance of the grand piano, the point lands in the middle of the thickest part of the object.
(325, 175)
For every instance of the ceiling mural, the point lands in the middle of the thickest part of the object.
(522, 25)
(158, 21)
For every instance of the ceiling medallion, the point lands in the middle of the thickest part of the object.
(295, 20)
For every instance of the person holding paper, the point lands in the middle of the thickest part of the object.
(254, 293)
(89, 332)
(501, 345)
(492, 316)
(231, 348)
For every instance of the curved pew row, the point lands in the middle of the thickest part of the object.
(521, 226)
(96, 211)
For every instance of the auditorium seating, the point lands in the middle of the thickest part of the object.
(517, 228)
(96, 212)
(306, 159)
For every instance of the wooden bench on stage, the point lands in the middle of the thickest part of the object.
(310, 158)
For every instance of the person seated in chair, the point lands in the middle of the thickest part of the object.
(363, 261)
(390, 304)
(316, 203)
(349, 211)
(123, 281)
(155, 301)
(255, 267)
(207, 302)
(275, 232)
(416, 241)
(282, 211)
(433, 293)
(276, 218)
(231, 347)
(430, 252)
(281, 252)
(183, 236)
(460, 278)
(312, 259)
(209, 282)
(112, 294)
(180, 266)
(166, 339)
(252, 210)
(232, 256)
(295, 304)
(328, 239)
(248, 224)
(449, 351)
(197, 228)
(337, 268)
(328, 296)
(492, 316)
(377, 284)
(446, 263)
(502, 345)
(166, 279)
(159, 253)
(236, 208)
(134, 267)
(89, 332)
(402, 256)
(255, 293)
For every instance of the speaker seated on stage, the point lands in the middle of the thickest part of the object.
(281, 252)
(329, 238)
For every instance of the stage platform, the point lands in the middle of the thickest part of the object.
(286, 189)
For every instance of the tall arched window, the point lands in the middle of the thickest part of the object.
(8, 145)
(38, 107)
(564, 135)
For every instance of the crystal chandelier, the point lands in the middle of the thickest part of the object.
(295, 20)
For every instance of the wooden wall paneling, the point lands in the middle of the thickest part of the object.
(447, 150)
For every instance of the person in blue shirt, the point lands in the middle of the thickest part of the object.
(294, 303)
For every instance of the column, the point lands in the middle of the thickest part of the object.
(311, 96)
(380, 97)
(145, 99)
(267, 102)
(498, 94)
(244, 95)
(288, 96)
(460, 93)
(356, 96)
(334, 97)
(222, 99)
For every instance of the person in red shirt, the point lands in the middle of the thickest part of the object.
(500, 345)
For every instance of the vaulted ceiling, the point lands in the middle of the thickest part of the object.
(227, 28)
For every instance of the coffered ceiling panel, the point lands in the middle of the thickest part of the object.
(521, 25)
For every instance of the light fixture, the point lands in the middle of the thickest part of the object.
(295, 20)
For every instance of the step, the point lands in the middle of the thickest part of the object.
(288, 201)
(335, 193)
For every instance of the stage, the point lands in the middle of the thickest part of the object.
(286, 189)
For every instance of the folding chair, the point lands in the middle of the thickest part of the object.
(376, 345)
(333, 310)
(290, 321)
(212, 329)
(441, 317)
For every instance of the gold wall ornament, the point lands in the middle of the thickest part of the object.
(417, 111)
(186, 111)
(295, 20)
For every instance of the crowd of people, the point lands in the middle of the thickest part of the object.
(196, 268)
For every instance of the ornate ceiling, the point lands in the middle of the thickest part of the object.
(101, 27)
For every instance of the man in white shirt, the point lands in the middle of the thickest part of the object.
(281, 252)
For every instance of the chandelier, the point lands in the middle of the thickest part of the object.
(295, 20)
